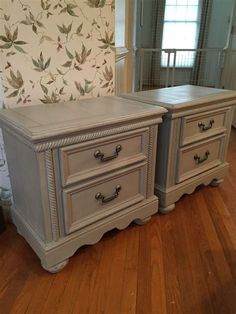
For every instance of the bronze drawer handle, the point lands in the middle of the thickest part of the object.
(107, 199)
(101, 156)
(199, 159)
(203, 127)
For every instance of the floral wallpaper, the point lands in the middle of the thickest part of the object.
(53, 51)
(56, 50)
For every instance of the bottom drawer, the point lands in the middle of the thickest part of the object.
(195, 159)
(87, 203)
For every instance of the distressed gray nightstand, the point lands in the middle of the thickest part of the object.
(192, 140)
(78, 170)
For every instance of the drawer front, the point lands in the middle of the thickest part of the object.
(198, 158)
(87, 203)
(93, 158)
(199, 126)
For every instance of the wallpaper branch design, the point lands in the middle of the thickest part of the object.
(56, 50)
(53, 51)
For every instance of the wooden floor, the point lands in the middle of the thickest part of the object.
(184, 262)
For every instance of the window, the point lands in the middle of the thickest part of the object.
(181, 29)
(120, 23)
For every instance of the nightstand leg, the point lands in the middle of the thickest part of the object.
(19, 232)
(216, 182)
(141, 222)
(56, 268)
(167, 209)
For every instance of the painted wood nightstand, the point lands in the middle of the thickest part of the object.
(78, 170)
(192, 140)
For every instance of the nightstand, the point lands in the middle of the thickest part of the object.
(192, 140)
(79, 169)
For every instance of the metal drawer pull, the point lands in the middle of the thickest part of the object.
(203, 127)
(199, 159)
(99, 155)
(107, 199)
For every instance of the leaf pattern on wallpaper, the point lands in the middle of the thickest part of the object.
(16, 82)
(51, 99)
(40, 64)
(96, 3)
(32, 21)
(56, 50)
(82, 57)
(86, 88)
(107, 81)
(10, 40)
(69, 8)
(65, 29)
(16, 88)
(108, 41)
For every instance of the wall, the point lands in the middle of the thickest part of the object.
(229, 71)
(219, 27)
(53, 51)
(219, 23)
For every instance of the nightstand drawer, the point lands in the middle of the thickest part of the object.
(198, 158)
(199, 126)
(87, 203)
(93, 158)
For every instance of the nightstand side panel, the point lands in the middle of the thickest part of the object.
(25, 174)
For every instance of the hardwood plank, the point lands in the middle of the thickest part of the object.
(101, 294)
(185, 256)
(220, 282)
(196, 245)
(157, 279)
(15, 258)
(144, 273)
(129, 285)
(89, 260)
(117, 265)
(172, 285)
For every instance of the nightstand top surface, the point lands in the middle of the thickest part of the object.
(182, 97)
(42, 121)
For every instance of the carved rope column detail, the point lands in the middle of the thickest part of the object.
(52, 194)
(173, 151)
(151, 160)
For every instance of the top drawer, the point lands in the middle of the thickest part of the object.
(83, 161)
(199, 126)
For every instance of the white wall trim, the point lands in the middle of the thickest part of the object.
(121, 53)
